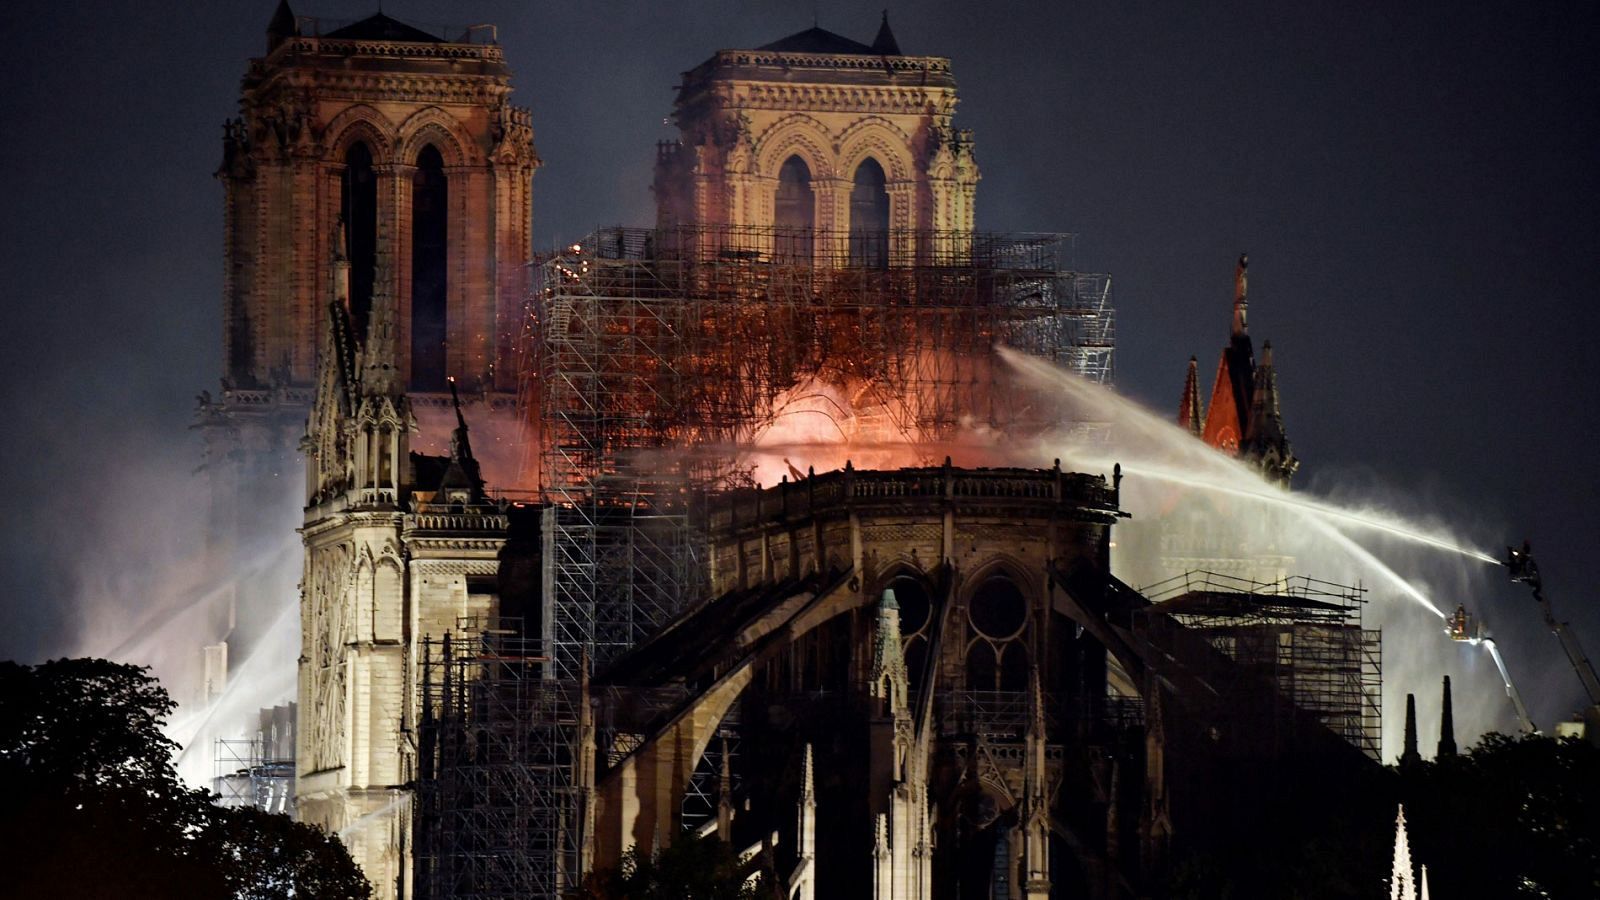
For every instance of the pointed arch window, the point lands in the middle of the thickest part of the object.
(869, 216)
(794, 212)
(358, 206)
(430, 234)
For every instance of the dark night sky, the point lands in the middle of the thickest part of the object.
(1417, 192)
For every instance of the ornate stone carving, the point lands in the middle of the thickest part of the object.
(327, 629)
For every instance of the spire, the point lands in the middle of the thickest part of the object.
(808, 806)
(463, 480)
(1402, 883)
(341, 266)
(1447, 726)
(460, 442)
(1264, 438)
(805, 848)
(379, 374)
(341, 346)
(1189, 409)
(1410, 756)
(889, 679)
(1424, 883)
(725, 797)
(282, 27)
(1241, 302)
(885, 44)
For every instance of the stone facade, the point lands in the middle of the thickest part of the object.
(303, 106)
(398, 545)
(912, 631)
(834, 105)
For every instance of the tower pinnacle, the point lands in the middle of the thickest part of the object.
(1189, 408)
(1402, 881)
(1410, 756)
(1241, 302)
(1447, 724)
(885, 44)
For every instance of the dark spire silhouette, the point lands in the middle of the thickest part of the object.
(1189, 409)
(885, 44)
(1447, 725)
(282, 27)
(1410, 756)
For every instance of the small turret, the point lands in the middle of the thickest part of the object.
(885, 44)
(282, 27)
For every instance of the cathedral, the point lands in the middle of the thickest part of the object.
(520, 665)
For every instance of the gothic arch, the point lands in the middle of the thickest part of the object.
(796, 135)
(1005, 566)
(433, 125)
(360, 123)
(883, 141)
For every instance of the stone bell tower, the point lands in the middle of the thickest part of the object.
(410, 139)
(402, 145)
(820, 133)
(377, 223)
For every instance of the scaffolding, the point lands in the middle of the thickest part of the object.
(1300, 634)
(498, 796)
(258, 771)
(650, 361)
(653, 359)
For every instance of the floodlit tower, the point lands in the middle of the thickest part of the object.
(820, 134)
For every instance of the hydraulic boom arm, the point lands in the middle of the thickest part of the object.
(1525, 570)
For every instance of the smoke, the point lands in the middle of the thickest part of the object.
(158, 579)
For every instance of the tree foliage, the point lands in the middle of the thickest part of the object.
(95, 809)
(1515, 817)
(692, 868)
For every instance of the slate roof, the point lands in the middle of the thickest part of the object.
(821, 40)
(380, 27)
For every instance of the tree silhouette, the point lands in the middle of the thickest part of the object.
(692, 868)
(94, 808)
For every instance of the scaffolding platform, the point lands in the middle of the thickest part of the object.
(1302, 635)
(498, 797)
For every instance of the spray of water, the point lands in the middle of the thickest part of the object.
(1195, 497)
(262, 679)
(1146, 445)
(392, 808)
